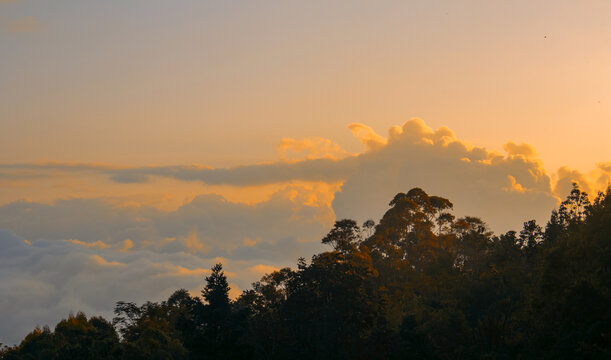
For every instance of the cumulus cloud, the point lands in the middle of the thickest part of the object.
(476, 179)
(566, 177)
(479, 181)
(592, 182)
(602, 176)
(506, 189)
(367, 136)
(524, 149)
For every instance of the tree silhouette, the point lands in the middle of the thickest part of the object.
(216, 291)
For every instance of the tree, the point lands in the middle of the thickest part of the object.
(216, 291)
(368, 227)
(531, 235)
(573, 209)
(223, 328)
(344, 237)
(74, 338)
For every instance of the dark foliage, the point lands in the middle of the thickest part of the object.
(421, 284)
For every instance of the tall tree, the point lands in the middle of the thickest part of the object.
(216, 291)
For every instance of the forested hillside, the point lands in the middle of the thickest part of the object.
(420, 284)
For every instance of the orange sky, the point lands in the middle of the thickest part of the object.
(159, 83)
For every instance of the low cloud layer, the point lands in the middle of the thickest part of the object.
(208, 224)
(43, 281)
(22, 25)
(312, 169)
(85, 254)
(411, 151)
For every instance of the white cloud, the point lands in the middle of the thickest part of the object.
(43, 282)
(84, 255)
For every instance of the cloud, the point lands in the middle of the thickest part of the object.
(592, 182)
(97, 245)
(602, 176)
(367, 136)
(85, 254)
(474, 178)
(88, 254)
(61, 166)
(524, 149)
(127, 244)
(514, 185)
(604, 166)
(103, 262)
(193, 244)
(505, 189)
(80, 254)
(128, 178)
(209, 224)
(45, 281)
(251, 242)
(177, 270)
(23, 25)
(566, 177)
(314, 170)
(324, 169)
(310, 149)
(261, 269)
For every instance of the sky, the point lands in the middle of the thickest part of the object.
(143, 141)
